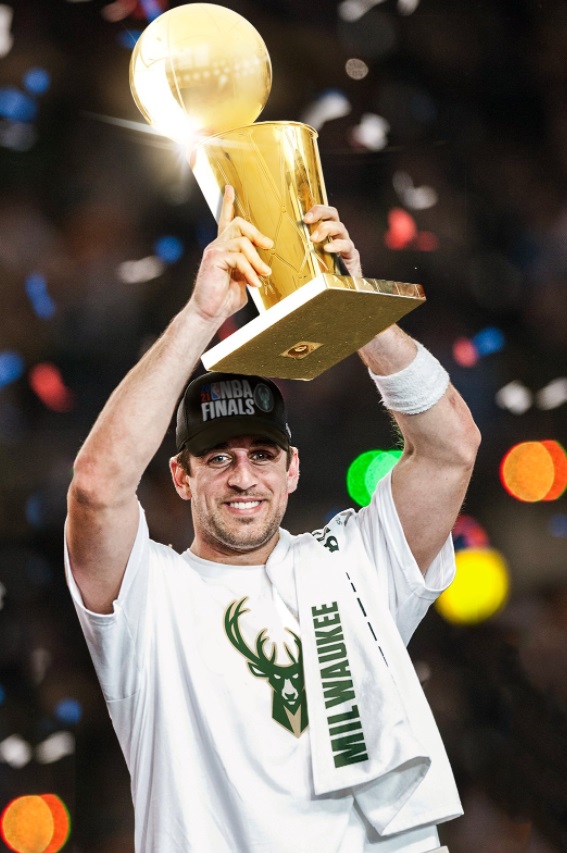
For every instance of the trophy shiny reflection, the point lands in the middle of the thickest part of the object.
(201, 74)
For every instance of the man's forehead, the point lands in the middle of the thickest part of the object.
(243, 441)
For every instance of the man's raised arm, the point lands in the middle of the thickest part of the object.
(102, 507)
(441, 439)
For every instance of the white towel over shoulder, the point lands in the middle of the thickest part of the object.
(360, 734)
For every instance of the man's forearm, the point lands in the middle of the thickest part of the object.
(131, 426)
(389, 352)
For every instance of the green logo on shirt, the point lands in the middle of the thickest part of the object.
(289, 706)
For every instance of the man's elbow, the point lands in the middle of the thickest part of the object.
(91, 488)
(466, 444)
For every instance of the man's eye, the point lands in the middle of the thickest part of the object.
(219, 459)
(262, 456)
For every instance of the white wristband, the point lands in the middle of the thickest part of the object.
(417, 387)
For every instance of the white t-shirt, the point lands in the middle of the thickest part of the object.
(207, 702)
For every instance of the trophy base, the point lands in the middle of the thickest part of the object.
(315, 327)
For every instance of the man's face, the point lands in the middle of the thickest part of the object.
(238, 492)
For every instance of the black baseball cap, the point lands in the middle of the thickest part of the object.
(219, 406)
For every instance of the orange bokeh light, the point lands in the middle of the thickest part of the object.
(527, 471)
(35, 824)
(61, 822)
(559, 458)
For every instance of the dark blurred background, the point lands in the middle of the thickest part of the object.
(443, 136)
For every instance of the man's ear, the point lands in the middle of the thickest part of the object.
(293, 471)
(180, 479)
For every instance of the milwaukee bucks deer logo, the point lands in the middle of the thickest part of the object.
(289, 706)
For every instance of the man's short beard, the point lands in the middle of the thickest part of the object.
(217, 533)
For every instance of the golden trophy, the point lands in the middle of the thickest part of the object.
(201, 74)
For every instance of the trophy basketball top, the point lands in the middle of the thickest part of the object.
(198, 70)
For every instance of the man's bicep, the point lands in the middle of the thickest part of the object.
(428, 498)
(99, 541)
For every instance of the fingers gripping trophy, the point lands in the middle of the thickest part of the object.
(201, 74)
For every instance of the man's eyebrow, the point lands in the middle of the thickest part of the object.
(256, 441)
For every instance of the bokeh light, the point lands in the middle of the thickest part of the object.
(366, 470)
(37, 81)
(35, 824)
(480, 588)
(356, 69)
(169, 248)
(534, 471)
(46, 381)
(465, 353)
(469, 533)
(559, 459)
(11, 367)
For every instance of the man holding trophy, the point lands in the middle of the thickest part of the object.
(259, 682)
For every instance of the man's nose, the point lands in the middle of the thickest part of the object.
(241, 475)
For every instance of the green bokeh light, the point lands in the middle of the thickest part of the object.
(366, 470)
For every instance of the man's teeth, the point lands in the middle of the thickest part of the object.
(244, 504)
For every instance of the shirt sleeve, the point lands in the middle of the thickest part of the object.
(117, 641)
(410, 593)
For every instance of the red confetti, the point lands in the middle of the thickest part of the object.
(46, 381)
(118, 10)
(402, 231)
(465, 353)
(403, 234)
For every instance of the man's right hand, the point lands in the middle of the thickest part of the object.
(230, 263)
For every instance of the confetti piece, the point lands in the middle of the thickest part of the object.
(489, 340)
(145, 269)
(118, 10)
(169, 249)
(353, 10)
(15, 751)
(16, 105)
(465, 353)
(11, 367)
(37, 81)
(45, 379)
(55, 747)
(402, 229)
(356, 69)
(515, 397)
(151, 9)
(330, 105)
(416, 198)
(553, 395)
(69, 711)
(371, 133)
(41, 301)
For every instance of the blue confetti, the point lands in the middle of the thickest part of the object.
(2, 694)
(37, 81)
(69, 711)
(151, 9)
(11, 367)
(42, 303)
(16, 105)
(168, 249)
(488, 341)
